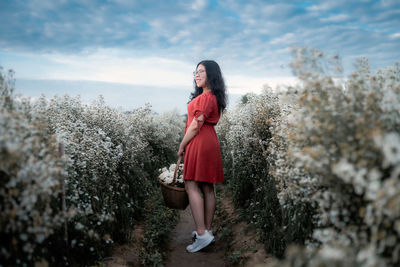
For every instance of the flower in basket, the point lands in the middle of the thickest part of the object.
(167, 175)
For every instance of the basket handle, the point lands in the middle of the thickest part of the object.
(176, 169)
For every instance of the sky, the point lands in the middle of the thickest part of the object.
(133, 51)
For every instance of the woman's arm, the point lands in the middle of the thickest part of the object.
(191, 132)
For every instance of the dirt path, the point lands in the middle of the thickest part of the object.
(241, 247)
(181, 237)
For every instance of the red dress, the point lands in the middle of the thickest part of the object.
(202, 160)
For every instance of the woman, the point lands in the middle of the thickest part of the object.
(200, 147)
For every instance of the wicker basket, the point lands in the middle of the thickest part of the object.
(174, 197)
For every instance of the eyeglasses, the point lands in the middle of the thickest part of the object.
(198, 72)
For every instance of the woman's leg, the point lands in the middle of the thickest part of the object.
(209, 203)
(196, 205)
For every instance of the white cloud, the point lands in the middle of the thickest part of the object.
(395, 35)
(285, 39)
(116, 66)
(119, 67)
(247, 38)
(198, 5)
(388, 3)
(126, 3)
(336, 18)
(241, 84)
(179, 37)
(156, 23)
(321, 7)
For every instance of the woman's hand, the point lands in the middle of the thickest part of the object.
(181, 151)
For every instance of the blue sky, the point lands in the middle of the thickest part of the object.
(147, 50)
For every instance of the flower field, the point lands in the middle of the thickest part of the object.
(314, 167)
(68, 209)
(322, 163)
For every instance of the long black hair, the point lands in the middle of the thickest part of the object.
(214, 81)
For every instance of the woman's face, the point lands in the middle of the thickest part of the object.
(200, 76)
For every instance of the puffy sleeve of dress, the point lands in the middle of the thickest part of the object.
(205, 105)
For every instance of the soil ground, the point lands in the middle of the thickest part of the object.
(241, 248)
(244, 248)
(213, 255)
(127, 254)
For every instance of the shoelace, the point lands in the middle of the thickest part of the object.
(194, 237)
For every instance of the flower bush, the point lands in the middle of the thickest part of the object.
(244, 134)
(31, 176)
(341, 134)
(106, 175)
(332, 146)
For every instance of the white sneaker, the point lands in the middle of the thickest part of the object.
(210, 231)
(200, 241)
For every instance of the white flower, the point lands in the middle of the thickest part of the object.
(391, 148)
(172, 167)
(332, 253)
(167, 176)
(168, 180)
(79, 226)
(163, 175)
(344, 170)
